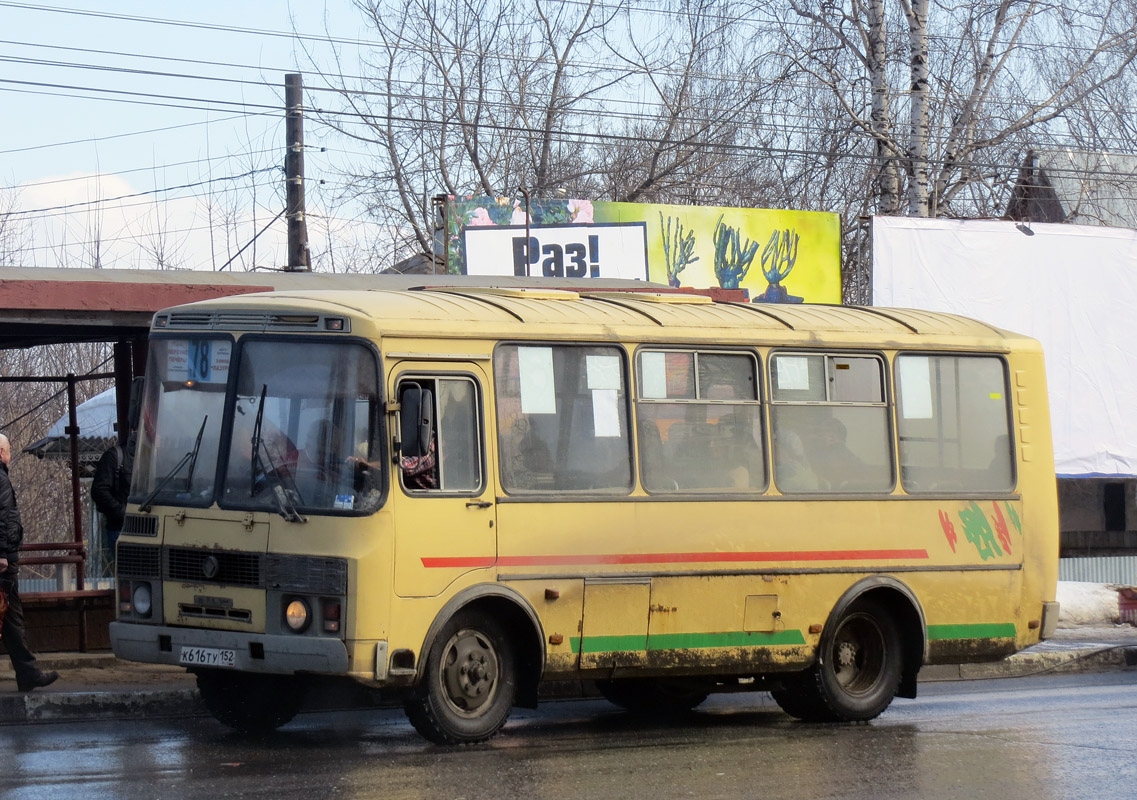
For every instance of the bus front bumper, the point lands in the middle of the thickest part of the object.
(247, 652)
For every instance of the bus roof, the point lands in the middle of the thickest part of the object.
(511, 312)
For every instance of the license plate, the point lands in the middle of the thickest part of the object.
(208, 657)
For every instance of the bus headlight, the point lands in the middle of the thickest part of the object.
(141, 599)
(296, 614)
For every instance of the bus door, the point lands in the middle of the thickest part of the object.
(443, 498)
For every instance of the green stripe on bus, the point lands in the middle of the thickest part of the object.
(609, 644)
(982, 630)
(683, 641)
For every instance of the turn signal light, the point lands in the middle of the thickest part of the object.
(331, 617)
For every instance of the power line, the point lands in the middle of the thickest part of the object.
(101, 201)
(116, 135)
(154, 168)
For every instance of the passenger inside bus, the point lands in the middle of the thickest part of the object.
(833, 462)
(792, 472)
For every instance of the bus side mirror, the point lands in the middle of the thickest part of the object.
(135, 410)
(416, 420)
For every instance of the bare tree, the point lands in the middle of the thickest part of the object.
(1003, 72)
(15, 232)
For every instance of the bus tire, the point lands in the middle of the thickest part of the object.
(468, 684)
(796, 701)
(858, 672)
(651, 695)
(251, 703)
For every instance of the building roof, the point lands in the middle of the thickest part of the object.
(1079, 187)
(96, 418)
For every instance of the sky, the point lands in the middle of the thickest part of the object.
(107, 162)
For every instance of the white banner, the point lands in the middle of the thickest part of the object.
(1072, 287)
(603, 250)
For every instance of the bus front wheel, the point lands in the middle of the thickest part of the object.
(469, 682)
(857, 673)
(255, 704)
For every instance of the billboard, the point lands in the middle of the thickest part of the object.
(777, 256)
(1071, 287)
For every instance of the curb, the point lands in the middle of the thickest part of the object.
(68, 661)
(85, 706)
(1094, 658)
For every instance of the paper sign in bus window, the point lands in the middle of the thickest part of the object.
(653, 376)
(915, 377)
(538, 387)
(177, 361)
(603, 372)
(605, 412)
(793, 373)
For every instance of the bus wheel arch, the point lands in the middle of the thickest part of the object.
(519, 620)
(907, 614)
(871, 649)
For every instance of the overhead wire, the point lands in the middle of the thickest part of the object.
(163, 190)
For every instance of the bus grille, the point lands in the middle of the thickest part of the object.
(213, 566)
(138, 561)
(140, 525)
(245, 320)
(306, 574)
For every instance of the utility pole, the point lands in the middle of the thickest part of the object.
(299, 260)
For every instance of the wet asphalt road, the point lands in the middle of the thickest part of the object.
(1038, 738)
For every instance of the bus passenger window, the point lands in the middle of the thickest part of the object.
(954, 424)
(830, 423)
(699, 422)
(562, 419)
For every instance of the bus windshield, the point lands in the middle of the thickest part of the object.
(302, 432)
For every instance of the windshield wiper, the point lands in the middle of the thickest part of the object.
(283, 495)
(189, 458)
(255, 442)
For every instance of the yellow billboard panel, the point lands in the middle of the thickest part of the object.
(776, 256)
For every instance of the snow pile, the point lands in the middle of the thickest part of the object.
(1083, 604)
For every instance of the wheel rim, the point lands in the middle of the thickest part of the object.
(858, 654)
(468, 672)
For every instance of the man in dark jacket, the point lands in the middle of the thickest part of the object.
(110, 487)
(28, 675)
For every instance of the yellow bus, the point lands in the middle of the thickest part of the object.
(459, 493)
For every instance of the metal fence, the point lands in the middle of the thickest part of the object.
(1099, 569)
(31, 585)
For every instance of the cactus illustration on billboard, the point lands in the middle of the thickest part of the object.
(678, 258)
(732, 258)
(778, 259)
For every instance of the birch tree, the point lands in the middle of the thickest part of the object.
(1002, 73)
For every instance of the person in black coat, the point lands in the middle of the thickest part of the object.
(28, 674)
(110, 487)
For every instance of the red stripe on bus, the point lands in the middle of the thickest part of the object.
(672, 558)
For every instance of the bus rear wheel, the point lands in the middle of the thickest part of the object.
(469, 682)
(250, 703)
(857, 673)
(651, 695)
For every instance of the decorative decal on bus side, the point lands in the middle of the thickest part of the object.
(949, 529)
(991, 537)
